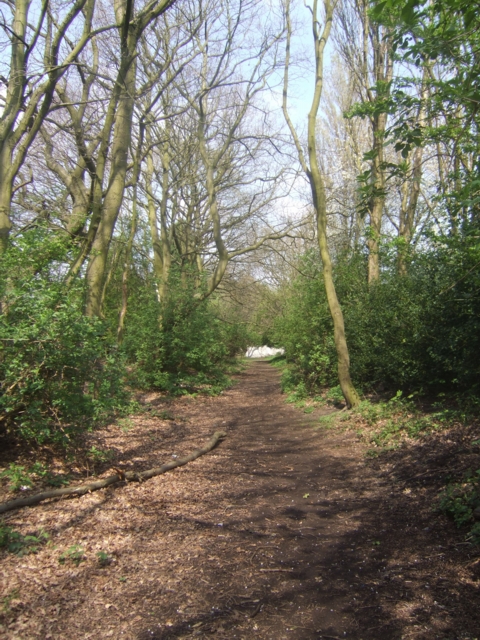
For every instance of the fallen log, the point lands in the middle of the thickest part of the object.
(129, 476)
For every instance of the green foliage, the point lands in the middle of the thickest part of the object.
(335, 395)
(387, 423)
(181, 345)
(103, 558)
(57, 480)
(294, 386)
(58, 370)
(14, 542)
(419, 332)
(328, 421)
(459, 500)
(74, 554)
(99, 455)
(18, 477)
(21, 477)
(305, 331)
(444, 32)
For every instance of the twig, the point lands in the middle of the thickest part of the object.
(257, 609)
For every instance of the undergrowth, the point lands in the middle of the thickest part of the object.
(461, 502)
(387, 424)
(23, 478)
(14, 542)
(383, 424)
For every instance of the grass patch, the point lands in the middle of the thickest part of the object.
(328, 422)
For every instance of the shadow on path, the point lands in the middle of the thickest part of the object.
(313, 542)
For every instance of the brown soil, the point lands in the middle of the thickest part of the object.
(283, 531)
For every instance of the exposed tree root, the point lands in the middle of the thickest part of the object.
(129, 476)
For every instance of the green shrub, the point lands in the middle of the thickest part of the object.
(18, 475)
(58, 370)
(74, 554)
(335, 395)
(182, 344)
(459, 500)
(305, 331)
(418, 332)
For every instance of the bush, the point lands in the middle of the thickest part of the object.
(419, 332)
(58, 371)
(181, 344)
(460, 500)
(305, 330)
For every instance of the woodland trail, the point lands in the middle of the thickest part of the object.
(283, 531)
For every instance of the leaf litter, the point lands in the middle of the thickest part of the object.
(283, 531)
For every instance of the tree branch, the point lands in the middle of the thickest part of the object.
(129, 476)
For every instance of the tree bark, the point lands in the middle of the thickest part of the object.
(382, 73)
(121, 142)
(317, 186)
(128, 259)
(411, 189)
(378, 198)
(131, 30)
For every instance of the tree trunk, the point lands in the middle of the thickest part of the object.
(319, 202)
(313, 172)
(223, 257)
(382, 74)
(318, 192)
(378, 198)
(13, 103)
(25, 110)
(412, 188)
(115, 190)
(5, 200)
(128, 263)
(408, 209)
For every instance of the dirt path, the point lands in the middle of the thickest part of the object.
(284, 531)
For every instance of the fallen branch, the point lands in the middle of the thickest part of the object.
(129, 476)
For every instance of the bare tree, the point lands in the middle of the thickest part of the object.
(367, 50)
(310, 166)
(213, 176)
(106, 206)
(31, 83)
(342, 143)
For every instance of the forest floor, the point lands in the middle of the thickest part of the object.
(285, 530)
